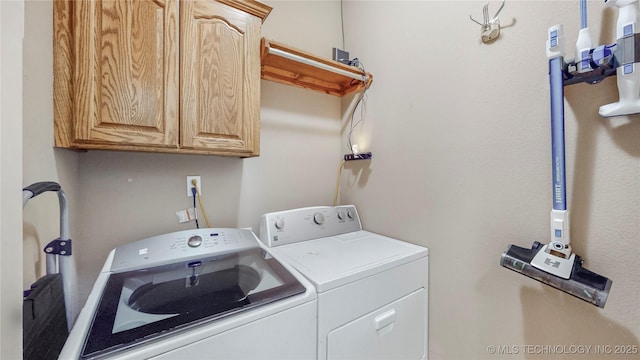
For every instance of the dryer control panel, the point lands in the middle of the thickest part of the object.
(290, 226)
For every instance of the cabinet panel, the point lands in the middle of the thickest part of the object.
(220, 77)
(126, 72)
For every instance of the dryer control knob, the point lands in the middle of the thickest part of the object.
(279, 224)
(350, 214)
(341, 215)
(318, 218)
(195, 241)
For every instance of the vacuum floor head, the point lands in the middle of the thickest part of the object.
(582, 283)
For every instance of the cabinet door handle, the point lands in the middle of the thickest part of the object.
(385, 319)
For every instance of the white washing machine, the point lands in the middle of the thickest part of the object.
(372, 289)
(196, 294)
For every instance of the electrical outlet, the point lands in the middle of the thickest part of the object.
(190, 185)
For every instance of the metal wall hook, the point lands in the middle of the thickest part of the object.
(490, 26)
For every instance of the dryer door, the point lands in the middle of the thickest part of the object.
(395, 331)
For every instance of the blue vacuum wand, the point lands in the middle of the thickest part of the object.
(554, 263)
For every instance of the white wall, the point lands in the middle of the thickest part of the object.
(11, 32)
(460, 137)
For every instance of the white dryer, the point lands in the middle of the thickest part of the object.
(196, 294)
(372, 289)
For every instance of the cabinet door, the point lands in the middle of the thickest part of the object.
(126, 72)
(220, 77)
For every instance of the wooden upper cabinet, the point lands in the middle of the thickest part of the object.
(220, 77)
(158, 75)
(126, 72)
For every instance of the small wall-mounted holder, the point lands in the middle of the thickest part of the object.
(490, 26)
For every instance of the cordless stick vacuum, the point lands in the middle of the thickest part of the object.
(554, 263)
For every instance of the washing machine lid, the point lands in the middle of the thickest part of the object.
(142, 305)
(337, 260)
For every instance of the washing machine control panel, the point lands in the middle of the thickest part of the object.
(290, 226)
(180, 245)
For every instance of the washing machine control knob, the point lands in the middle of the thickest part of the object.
(318, 218)
(279, 223)
(341, 215)
(350, 214)
(195, 241)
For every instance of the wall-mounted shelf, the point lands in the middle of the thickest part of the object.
(290, 66)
